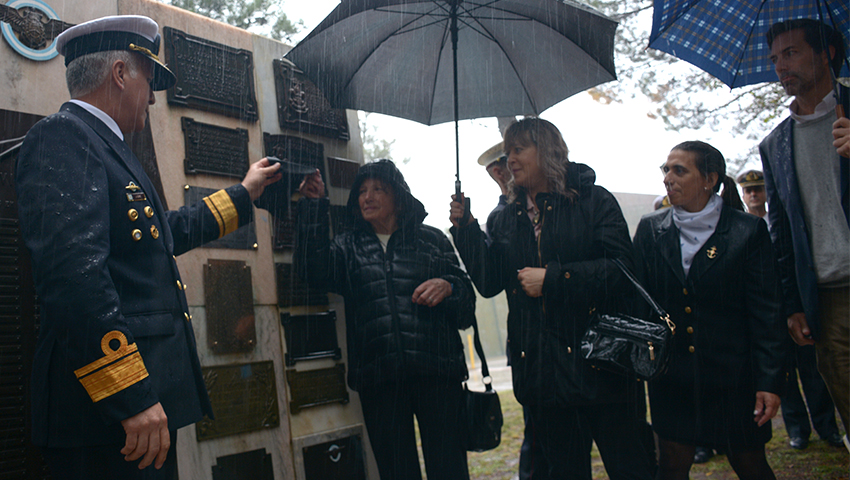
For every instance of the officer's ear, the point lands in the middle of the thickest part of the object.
(118, 74)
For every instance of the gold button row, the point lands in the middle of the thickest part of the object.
(133, 214)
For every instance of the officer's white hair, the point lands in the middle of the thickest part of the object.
(88, 72)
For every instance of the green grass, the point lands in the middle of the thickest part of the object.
(818, 462)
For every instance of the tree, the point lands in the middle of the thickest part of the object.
(375, 148)
(263, 17)
(684, 96)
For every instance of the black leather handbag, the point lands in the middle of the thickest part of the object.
(483, 410)
(628, 345)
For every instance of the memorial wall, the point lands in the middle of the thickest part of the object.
(272, 347)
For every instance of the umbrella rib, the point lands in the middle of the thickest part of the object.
(437, 74)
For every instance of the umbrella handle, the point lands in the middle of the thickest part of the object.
(464, 220)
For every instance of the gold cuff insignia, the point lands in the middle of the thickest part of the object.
(224, 211)
(117, 370)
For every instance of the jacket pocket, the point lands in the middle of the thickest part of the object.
(151, 324)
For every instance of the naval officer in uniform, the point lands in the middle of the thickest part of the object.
(116, 370)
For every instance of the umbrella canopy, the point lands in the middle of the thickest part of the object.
(727, 38)
(514, 57)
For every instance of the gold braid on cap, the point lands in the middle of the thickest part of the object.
(144, 50)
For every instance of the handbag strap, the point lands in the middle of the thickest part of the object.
(643, 293)
(485, 372)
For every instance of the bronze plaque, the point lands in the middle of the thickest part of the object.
(310, 336)
(283, 227)
(340, 459)
(341, 172)
(292, 290)
(301, 106)
(229, 300)
(244, 238)
(215, 150)
(210, 76)
(316, 387)
(256, 465)
(244, 399)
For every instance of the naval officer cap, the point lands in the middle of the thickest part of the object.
(134, 33)
(494, 153)
(751, 178)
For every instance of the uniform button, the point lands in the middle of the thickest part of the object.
(148, 211)
(187, 316)
(519, 212)
(567, 275)
(522, 355)
(691, 349)
(137, 234)
(569, 350)
(154, 232)
(179, 285)
(690, 329)
(549, 208)
(685, 291)
(687, 309)
(133, 214)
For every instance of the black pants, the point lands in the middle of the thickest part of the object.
(566, 435)
(532, 462)
(106, 463)
(388, 411)
(820, 405)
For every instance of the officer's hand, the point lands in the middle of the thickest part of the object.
(260, 175)
(312, 186)
(799, 330)
(841, 133)
(147, 435)
(767, 404)
(457, 211)
(531, 279)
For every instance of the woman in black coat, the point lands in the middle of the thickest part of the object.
(550, 250)
(711, 267)
(406, 297)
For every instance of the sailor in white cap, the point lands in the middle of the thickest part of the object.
(116, 370)
(496, 162)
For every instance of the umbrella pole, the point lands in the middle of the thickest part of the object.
(466, 204)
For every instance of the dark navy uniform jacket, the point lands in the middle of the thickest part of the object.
(116, 336)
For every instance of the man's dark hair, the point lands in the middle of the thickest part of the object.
(814, 32)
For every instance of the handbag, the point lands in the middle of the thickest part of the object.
(630, 345)
(482, 410)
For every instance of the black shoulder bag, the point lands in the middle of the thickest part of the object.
(629, 345)
(483, 411)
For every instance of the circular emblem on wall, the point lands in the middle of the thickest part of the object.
(30, 27)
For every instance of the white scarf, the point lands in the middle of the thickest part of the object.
(695, 228)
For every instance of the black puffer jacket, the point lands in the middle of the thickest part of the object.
(577, 241)
(389, 336)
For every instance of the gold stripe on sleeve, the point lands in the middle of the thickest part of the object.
(114, 372)
(224, 211)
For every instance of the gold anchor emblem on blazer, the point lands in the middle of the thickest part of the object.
(711, 252)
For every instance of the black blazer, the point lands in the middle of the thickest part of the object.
(729, 327)
(102, 255)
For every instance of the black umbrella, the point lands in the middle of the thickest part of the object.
(408, 58)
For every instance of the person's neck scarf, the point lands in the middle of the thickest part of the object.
(695, 228)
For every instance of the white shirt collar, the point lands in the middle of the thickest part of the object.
(827, 105)
(100, 114)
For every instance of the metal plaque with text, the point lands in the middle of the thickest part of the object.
(229, 301)
(215, 150)
(316, 387)
(340, 459)
(210, 76)
(244, 399)
(301, 106)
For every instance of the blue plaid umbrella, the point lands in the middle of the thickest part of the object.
(726, 38)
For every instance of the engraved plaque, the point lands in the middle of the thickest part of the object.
(301, 106)
(310, 336)
(215, 150)
(254, 465)
(283, 227)
(317, 387)
(292, 290)
(340, 459)
(244, 399)
(210, 76)
(244, 238)
(229, 300)
(341, 172)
